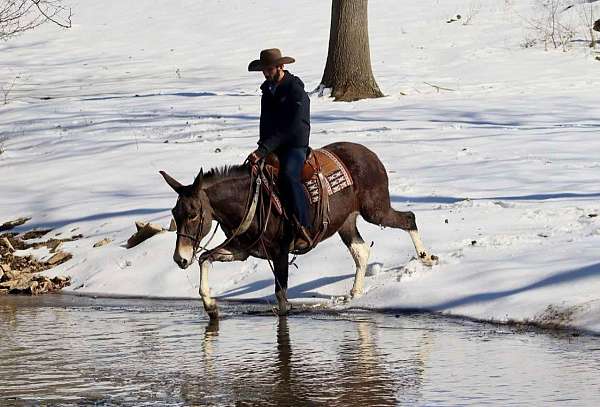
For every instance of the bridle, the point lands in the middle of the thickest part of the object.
(196, 238)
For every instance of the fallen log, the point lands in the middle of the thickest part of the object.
(13, 224)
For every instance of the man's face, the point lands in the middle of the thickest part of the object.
(273, 73)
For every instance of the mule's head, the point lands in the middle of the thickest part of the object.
(193, 217)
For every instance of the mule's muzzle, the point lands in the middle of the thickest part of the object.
(181, 262)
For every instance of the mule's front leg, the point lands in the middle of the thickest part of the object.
(210, 305)
(426, 258)
(281, 267)
(205, 260)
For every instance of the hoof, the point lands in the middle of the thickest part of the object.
(430, 260)
(355, 294)
(212, 311)
(281, 312)
(213, 314)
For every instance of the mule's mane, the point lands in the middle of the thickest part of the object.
(223, 173)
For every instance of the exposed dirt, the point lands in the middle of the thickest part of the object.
(555, 315)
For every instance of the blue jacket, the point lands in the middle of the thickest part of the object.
(284, 115)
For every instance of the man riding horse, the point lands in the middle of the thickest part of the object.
(285, 131)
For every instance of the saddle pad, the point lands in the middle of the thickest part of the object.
(337, 177)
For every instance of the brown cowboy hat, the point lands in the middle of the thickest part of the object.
(269, 57)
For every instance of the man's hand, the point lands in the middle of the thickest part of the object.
(255, 157)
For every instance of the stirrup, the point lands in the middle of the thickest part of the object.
(304, 235)
(301, 236)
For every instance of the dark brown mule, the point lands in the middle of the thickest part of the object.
(223, 195)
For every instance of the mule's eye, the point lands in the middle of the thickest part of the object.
(193, 217)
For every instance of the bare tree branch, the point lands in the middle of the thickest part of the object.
(18, 16)
(57, 9)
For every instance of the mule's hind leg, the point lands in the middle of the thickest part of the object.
(383, 214)
(359, 250)
(205, 260)
(426, 258)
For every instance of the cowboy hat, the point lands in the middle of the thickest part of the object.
(269, 57)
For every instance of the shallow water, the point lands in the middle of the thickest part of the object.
(66, 350)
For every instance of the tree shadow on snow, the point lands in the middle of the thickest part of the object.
(95, 217)
(178, 94)
(564, 277)
(452, 200)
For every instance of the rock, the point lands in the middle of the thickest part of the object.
(139, 225)
(597, 25)
(145, 231)
(172, 226)
(59, 258)
(13, 224)
(61, 279)
(35, 234)
(53, 245)
(59, 282)
(16, 284)
(102, 242)
(43, 286)
(6, 243)
(12, 274)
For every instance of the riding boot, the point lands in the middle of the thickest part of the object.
(303, 237)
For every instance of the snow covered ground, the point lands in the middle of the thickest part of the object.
(502, 171)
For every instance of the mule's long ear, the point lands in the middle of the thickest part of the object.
(173, 183)
(198, 182)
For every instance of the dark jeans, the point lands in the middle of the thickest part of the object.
(292, 162)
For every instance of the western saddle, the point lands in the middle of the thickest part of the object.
(309, 170)
(318, 166)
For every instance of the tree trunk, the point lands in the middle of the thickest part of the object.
(348, 69)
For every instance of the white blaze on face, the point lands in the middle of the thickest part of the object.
(183, 251)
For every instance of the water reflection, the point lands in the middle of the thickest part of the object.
(366, 379)
(105, 352)
(357, 376)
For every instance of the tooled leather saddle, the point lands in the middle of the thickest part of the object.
(323, 175)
